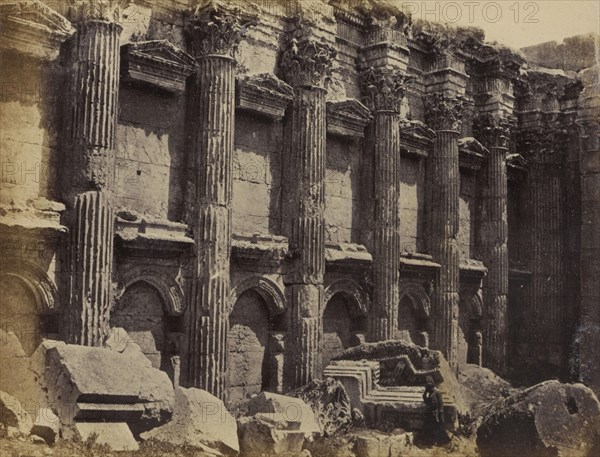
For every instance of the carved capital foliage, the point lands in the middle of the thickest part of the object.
(82, 11)
(306, 61)
(384, 88)
(543, 144)
(445, 113)
(493, 131)
(217, 28)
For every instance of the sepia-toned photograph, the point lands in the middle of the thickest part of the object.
(299, 228)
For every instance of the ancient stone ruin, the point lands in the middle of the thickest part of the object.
(248, 191)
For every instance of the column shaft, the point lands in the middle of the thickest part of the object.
(307, 224)
(443, 233)
(91, 120)
(385, 137)
(212, 127)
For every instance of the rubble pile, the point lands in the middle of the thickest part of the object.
(330, 402)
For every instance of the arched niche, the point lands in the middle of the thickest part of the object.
(167, 286)
(28, 300)
(140, 310)
(344, 318)
(250, 327)
(269, 290)
(413, 313)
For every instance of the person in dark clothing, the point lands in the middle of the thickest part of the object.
(434, 417)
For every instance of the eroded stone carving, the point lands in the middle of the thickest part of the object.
(305, 60)
(444, 112)
(217, 28)
(384, 88)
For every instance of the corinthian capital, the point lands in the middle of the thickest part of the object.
(81, 11)
(443, 112)
(494, 131)
(217, 28)
(384, 88)
(305, 61)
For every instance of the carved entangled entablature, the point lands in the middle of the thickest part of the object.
(347, 256)
(306, 61)
(258, 250)
(444, 112)
(271, 292)
(33, 28)
(471, 153)
(158, 63)
(384, 88)
(472, 272)
(217, 28)
(265, 94)
(347, 118)
(166, 283)
(35, 280)
(416, 138)
(359, 303)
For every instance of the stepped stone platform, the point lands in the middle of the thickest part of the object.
(385, 394)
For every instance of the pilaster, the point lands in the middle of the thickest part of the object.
(94, 59)
(306, 64)
(213, 31)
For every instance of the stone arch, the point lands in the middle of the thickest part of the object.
(344, 317)
(141, 311)
(28, 300)
(268, 289)
(168, 287)
(359, 301)
(248, 338)
(419, 298)
(36, 281)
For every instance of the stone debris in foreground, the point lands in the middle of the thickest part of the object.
(262, 435)
(13, 415)
(330, 403)
(116, 435)
(291, 410)
(371, 443)
(199, 420)
(91, 384)
(46, 425)
(549, 419)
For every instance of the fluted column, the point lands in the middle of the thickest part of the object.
(587, 339)
(444, 116)
(494, 133)
(213, 34)
(383, 89)
(305, 63)
(93, 60)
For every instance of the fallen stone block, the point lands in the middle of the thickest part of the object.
(116, 435)
(291, 410)
(199, 420)
(16, 377)
(371, 443)
(46, 425)
(330, 403)
(260, 437)
(98, 384)
(548, 419)
(12, 414)
(120, 341)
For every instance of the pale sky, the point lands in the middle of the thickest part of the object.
(514, 23)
